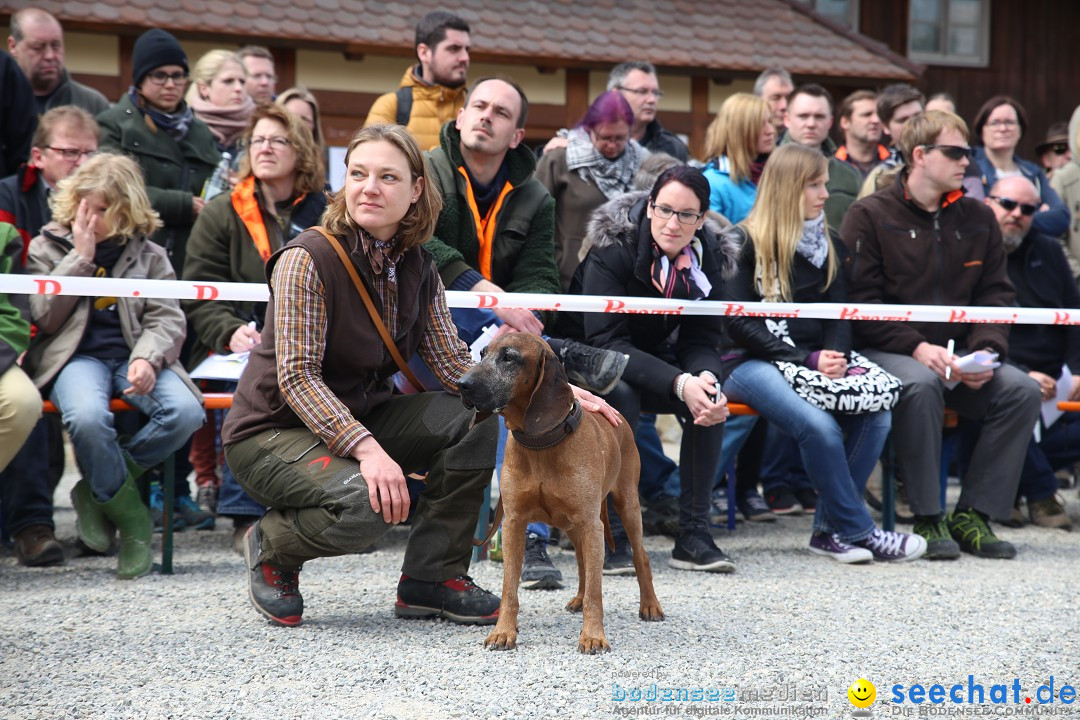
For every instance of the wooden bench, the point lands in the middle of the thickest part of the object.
(211, 401)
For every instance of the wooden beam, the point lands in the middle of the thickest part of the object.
(699, 114)
(577, 95)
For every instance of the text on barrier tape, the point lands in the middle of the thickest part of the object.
(258, 292)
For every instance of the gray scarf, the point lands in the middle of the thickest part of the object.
(612, 177)
(814, 243)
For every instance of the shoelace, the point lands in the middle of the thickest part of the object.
(887, 542)
(973, 529)
(537, 550)
(841, 544)
(287, 583)
(756, 502)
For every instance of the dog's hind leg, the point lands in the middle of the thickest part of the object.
(629, 508)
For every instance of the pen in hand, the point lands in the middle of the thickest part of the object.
(949, 349)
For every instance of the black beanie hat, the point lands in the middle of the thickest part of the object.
(155, 48)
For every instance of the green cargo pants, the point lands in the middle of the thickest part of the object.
(318, 502)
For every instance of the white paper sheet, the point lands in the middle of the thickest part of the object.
(221, 367)
(1050, 412)
(978, 361)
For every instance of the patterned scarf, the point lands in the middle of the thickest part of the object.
(226, 123)
(682, 277)
(814, 243)
(175, 124)
(612, 177)
(383, 255)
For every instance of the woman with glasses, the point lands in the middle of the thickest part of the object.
(88, 350)
(789, 254)
(999, 125)
(662, 246)
(153, 125)
(737, 144)
(217, 97)
(279, 194)
(597, 165)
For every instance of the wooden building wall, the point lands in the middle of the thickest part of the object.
(1034, 49)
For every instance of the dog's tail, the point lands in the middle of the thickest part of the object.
(607, 525)
(494, 525)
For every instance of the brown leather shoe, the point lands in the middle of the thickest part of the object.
(37, 546)
(1049, 513)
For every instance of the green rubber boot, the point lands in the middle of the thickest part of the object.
(132, 518)
(94, 529)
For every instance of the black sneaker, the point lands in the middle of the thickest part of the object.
(782, 501)
(592, 368)
(807, 498)
(537, 572)
(697, 551)
(459, 600)
(192, 515)
(753, 507)
(273, 591)
(619, 562)
(661, 516)
(974, 535)
(157, 511)
(939, 542)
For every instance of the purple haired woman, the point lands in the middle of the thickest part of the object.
(597, 164)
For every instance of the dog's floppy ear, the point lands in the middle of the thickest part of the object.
(551, 396)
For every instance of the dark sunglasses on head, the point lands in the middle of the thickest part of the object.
(953, 152)
(1008, 205)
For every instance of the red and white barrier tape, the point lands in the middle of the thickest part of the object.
(258, 292)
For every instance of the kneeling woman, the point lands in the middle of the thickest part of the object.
(660, 248)
(88, 350)
(789, 255)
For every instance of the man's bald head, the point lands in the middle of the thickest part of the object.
(1014, 200)
(37, 44)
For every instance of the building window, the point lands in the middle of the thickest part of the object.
(842, 12)
(949, 32)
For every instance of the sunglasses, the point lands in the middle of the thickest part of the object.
(1059, 148)
(953, 152)
(1008, 205)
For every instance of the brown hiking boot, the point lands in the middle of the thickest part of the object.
(1049, 513)
(37, 546)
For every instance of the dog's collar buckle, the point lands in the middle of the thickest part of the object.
(555, 435)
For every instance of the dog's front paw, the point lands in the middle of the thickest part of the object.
(593, 645)
(501, 640)
(574, 605)
(651, 612)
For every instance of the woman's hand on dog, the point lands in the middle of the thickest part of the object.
(387, 491)
(596, 404)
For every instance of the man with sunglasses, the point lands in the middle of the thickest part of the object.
(1053, 152)
(1040, 273)
(921, 242)
(1066, 183)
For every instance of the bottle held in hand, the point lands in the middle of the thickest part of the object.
(219, 181)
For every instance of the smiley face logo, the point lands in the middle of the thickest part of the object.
(862, 693)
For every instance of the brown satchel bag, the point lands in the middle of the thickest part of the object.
(383, 332)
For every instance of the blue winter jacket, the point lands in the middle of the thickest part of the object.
(731, 200)
(1053, 221)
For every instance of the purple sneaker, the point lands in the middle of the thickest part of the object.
(833, 547)
(891, 546)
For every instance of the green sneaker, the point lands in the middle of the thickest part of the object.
(974, 536)
(939, 543)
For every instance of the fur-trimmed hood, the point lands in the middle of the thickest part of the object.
(612, 223)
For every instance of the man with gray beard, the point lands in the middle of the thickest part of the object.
(1040, 273)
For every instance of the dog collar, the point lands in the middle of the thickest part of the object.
(555, 435)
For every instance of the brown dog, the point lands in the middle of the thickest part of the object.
(561, 464)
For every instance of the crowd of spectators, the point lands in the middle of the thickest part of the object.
(204, 171)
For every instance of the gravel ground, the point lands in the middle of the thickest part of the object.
(77, 643)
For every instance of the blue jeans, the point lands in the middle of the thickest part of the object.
(25, 494)
(838, 451)
(233, 501)
(659, 473)
(781, 465)
(736, 429)
(82, 391)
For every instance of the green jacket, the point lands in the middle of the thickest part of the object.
(844, 184)
(14, 309)
(523, 256)
(174, 172)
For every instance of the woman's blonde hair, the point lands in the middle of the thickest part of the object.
(208, 67)
(735, 132)
(120, 182)
(310, 175)
(302, 94)
(419, 221)
(775, 223)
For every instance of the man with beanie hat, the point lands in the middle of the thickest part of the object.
(154, 125)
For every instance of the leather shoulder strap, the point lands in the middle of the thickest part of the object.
(383, 332)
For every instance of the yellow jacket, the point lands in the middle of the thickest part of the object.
(433, 105)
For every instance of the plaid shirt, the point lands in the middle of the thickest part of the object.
(300, 320)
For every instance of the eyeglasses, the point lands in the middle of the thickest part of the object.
(953, 152)
(72, 153)
(160, 78)
(1004, 124)
(277, 142)
(1008, 205)
(1058, 148)
(642, 92)
(686, 217)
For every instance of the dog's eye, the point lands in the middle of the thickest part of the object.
(508, 355)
